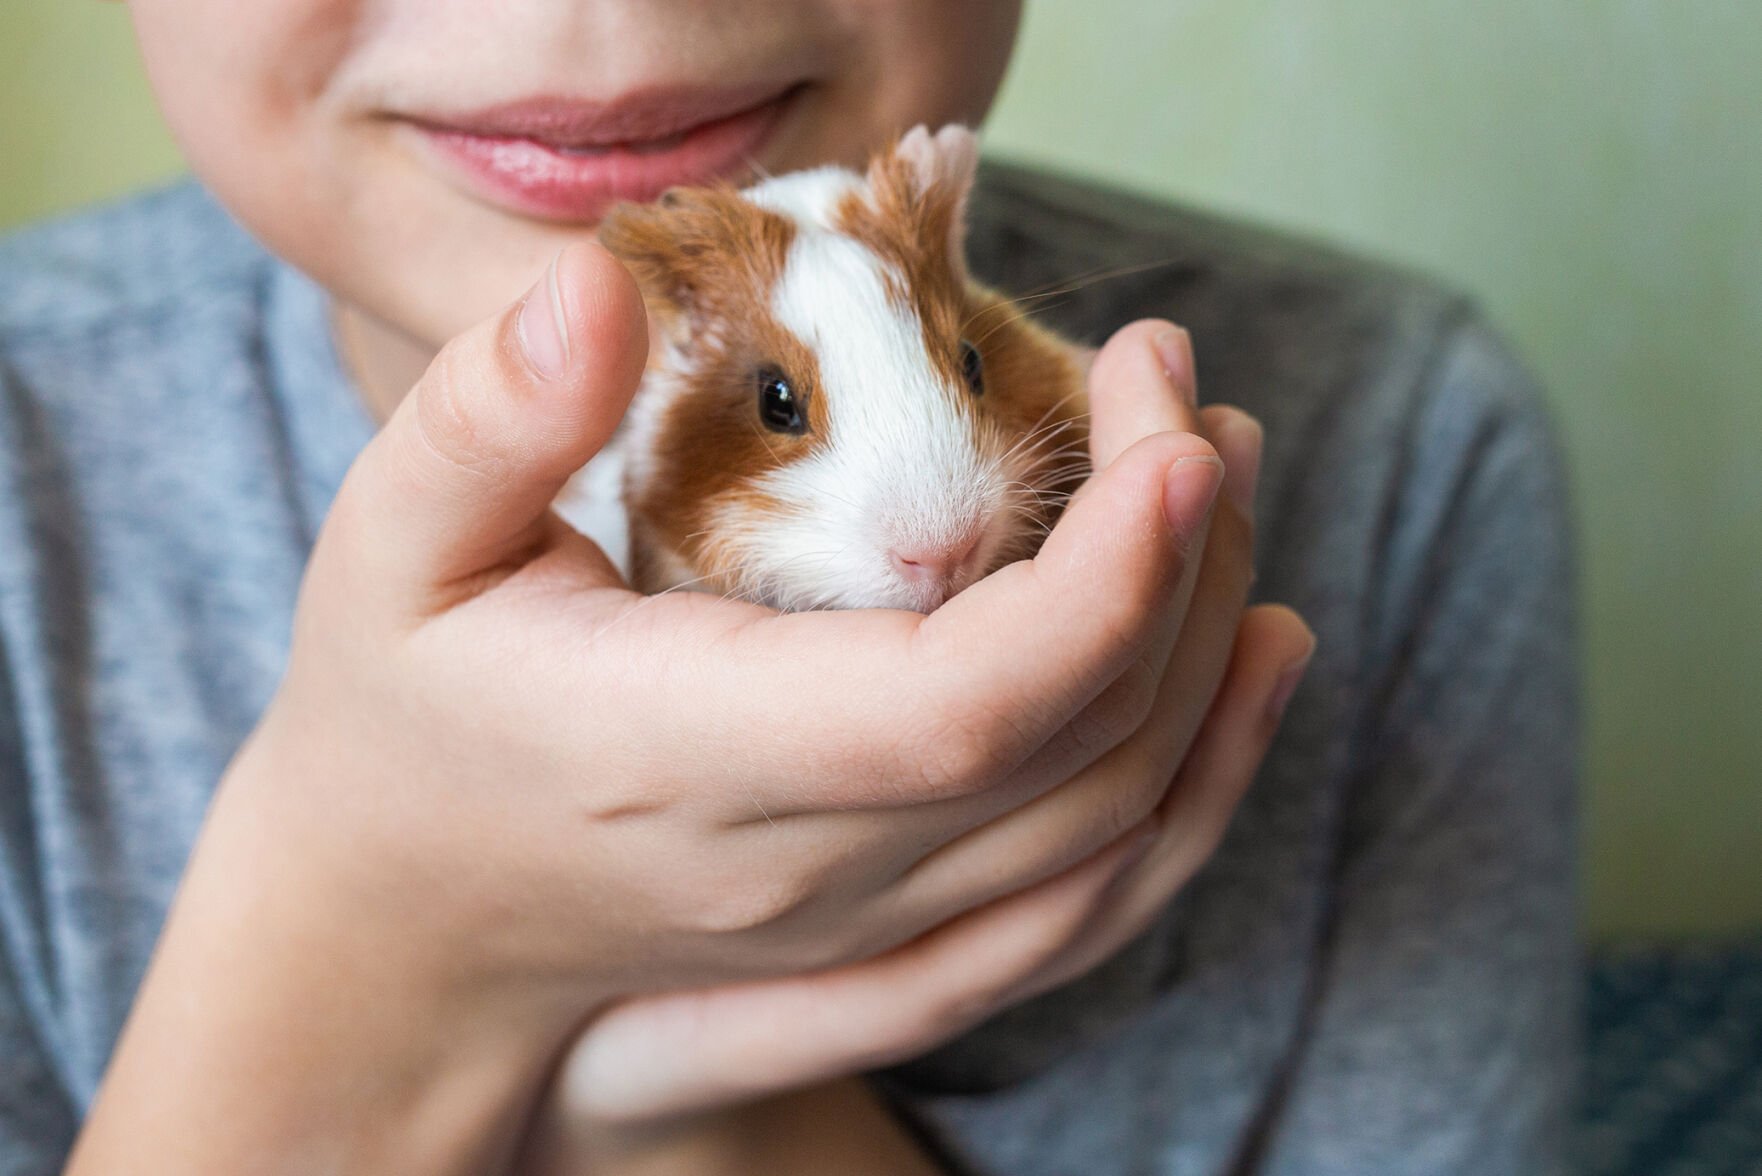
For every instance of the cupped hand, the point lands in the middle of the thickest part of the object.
(1203, 704)
(528, 785)
(497, 791)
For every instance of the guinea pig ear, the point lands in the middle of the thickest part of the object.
(646, 239)
(947, 160)
(694, 251)
(934, 173)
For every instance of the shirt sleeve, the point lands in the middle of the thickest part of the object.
(1441, 1028)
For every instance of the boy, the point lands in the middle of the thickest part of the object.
(482, 814)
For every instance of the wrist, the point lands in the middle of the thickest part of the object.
(279, 1030)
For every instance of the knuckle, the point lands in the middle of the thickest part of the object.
(1126, 808)
(1139, 687)
(1126, 623)
(966, 752)
(1091, 731)
(449, 421)
(886, 768)
(1118, 713)
(753, 905)
(1121, 620)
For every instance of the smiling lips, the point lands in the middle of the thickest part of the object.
(568, 160)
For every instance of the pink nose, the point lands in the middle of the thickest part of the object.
(934, 563)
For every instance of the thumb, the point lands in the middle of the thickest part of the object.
(461, 478)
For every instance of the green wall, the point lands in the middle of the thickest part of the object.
(1591, 170)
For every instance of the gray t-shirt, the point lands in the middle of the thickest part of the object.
(1376, 974)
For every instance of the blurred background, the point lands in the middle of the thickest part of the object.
(1593, 172)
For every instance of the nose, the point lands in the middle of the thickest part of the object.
(934, 562)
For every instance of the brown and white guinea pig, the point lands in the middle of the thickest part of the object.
(835, 415)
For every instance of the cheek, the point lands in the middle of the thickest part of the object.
(905, 62)
(275, 105)
(940, 61)
(216, 64)
(243, 89)
(262, 98)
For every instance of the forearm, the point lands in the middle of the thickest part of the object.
(269, 1037)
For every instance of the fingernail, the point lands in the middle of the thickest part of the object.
(1286, 686)
(1240, 442)
(1174, 350)
(1188, 490)
(542, 328)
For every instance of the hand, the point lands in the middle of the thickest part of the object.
(657, 1068)
(498, 791)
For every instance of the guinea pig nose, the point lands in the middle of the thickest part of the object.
(933, 562)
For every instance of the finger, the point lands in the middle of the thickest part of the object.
(1276, 648)
(1239, 440)
(1272, 654)
(1142, 382)
(1013, 844)
(1196, 666)
(984, 976)
(1008, 838)
(949, 704)
(1105, 798)
(1105, 594)
(461, 478)
(680, 1052)
(1104, 591)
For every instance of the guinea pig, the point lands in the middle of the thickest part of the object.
(834, 415)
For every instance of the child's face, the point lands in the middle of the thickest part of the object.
(320, 122)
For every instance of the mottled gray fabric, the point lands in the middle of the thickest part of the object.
(1376, 974)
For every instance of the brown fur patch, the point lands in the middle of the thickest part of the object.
(707, 262)
(913, 229)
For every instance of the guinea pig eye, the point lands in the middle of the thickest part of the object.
(973, 367)
(780, 407)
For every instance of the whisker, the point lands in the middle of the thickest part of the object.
(1094, 277)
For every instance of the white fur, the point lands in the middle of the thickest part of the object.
(903, 467)
(592, 502)
(805, 197)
